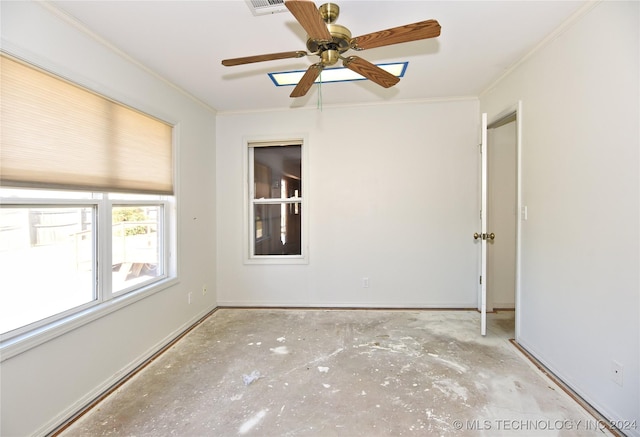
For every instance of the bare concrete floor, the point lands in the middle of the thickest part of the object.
(276, 372)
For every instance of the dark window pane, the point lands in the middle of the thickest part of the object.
(272, 167)
(278, 229)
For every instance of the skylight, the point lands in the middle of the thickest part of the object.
(340, 74)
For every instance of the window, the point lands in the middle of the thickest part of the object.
(276, 201)
(136, 244)
(51, 244)
(86, 201)
(47, 261)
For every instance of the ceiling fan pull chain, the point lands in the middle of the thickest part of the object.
(319, 106)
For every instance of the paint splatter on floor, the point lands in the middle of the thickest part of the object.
(252, 422)
(334, 373)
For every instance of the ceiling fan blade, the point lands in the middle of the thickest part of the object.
(260, 58)
(309, 18)
(371, 71)
(396, 35)
(307, 80)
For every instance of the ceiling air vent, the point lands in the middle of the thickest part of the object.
(264, 7)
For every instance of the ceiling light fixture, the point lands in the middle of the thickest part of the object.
(341, 74)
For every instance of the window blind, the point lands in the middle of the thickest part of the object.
(58, 135)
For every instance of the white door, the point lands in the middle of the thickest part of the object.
(482, 236)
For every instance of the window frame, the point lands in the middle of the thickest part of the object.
(163, 237)
(251, 143)
(10, 202)
(105, 299)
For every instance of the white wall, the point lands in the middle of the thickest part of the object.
(580, 165)
(392, 196)
(46, 384)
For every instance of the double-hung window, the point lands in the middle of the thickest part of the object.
(86, 201)
(276, 201)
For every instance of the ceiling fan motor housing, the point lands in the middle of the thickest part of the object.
(330, 52)
(341, 42)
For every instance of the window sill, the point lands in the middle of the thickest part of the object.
(13, 346)
(275, 259)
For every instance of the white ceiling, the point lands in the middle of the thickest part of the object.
(185, 42)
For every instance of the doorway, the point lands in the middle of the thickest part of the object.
(501, 224)
(501, 216)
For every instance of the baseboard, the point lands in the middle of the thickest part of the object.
(580, 400)
(348, 306)
(504, 307)
(74, 412)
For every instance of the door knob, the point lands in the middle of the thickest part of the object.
(484, 236)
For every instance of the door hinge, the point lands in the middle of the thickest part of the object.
(480, 280)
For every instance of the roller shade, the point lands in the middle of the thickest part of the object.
(58, 135)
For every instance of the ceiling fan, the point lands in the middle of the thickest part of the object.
(329, 41)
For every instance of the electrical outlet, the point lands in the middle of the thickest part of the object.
(204, 290)
(189, 297)
(365, 282)
(616, 372)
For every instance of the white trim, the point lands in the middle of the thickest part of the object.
(518, 298)
(107, 244)
(86, 400)
(402, 102)
(276, 259)
(173, 217)
(247, 172)
(482, 298)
